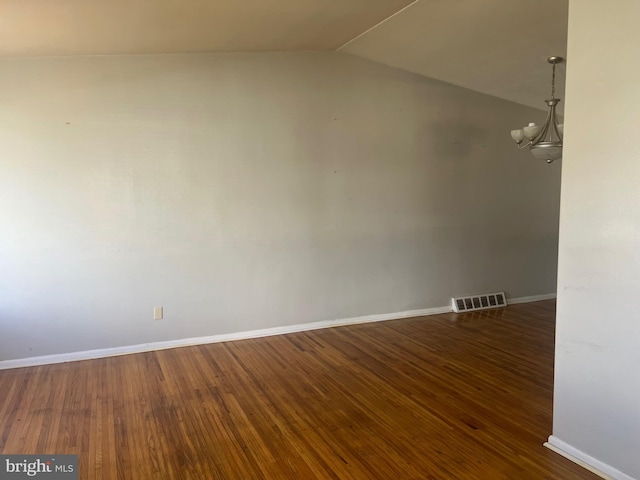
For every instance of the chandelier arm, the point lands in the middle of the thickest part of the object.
(555, 126)
(538, 138)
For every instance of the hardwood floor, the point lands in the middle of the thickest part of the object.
(442, 397)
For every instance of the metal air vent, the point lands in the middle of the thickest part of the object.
(479, 302)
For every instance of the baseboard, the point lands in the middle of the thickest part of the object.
(266, 332)
(584, 460)
(533, 298)
(228, 337)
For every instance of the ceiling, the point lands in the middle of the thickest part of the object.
(77, 27)
(496, 47)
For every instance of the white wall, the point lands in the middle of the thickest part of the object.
(597, 385)
(250, 191)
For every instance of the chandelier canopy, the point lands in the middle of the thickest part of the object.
(545, 141)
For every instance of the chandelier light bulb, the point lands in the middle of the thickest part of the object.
(518, 136)
(531, 130)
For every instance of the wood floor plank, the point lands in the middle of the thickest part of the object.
(449, 396)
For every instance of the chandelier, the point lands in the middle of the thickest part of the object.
(545, 141)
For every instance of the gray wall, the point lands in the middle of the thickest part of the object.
(250, 191)
(597, 386)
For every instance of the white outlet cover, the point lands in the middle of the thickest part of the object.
(157, 313)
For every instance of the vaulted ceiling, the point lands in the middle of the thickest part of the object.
(496, 47)
(76, 27)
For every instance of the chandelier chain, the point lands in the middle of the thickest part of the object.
(553, 82)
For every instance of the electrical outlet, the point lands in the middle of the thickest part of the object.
(158, 313)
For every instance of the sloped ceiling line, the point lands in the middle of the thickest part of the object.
(377, 25)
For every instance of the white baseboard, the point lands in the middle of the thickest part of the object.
(533, 298)
(227, 337)
(584, 460)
